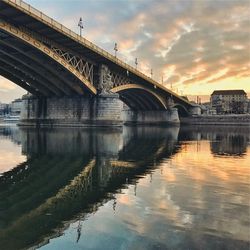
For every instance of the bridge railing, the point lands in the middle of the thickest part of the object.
(33, 11)
(54, 24)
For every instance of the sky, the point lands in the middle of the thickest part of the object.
(192, 46)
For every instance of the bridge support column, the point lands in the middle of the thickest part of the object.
(161, 117)
(102, 110)
(196, 110)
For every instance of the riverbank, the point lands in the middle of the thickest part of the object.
(234, 119)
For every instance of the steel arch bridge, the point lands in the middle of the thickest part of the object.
(49, 60)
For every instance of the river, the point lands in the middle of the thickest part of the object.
(131, 188)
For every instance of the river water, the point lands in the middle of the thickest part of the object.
(130, 188)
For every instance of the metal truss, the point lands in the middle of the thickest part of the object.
(84, 68)
(119, 80)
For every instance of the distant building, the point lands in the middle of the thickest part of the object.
(229, 101)
(4, 109)
(16, 107)
(248, 107)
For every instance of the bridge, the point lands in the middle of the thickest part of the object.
(72, 81)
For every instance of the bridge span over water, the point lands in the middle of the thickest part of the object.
(71, 80)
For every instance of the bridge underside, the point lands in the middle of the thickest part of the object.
(35, 71)
(139, 99)
(72, 81)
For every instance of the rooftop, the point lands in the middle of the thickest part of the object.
(230, 92)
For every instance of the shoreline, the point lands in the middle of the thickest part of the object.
(239, 120)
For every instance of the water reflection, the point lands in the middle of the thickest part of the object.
(10, 149)
(70, 171)
(136, 188)
(231, 141)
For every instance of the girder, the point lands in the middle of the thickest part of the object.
(21, 83)
(133, 101)
(83, 66)
(154, 105)
(119, 79)
(31, 71)
(45, 49)
(28, 79)
(51, 71)
(141, 97)
(16, 32)
(153, 98)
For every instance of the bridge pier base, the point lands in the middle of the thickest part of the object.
(102, 110)
(161, 117)
(195, 110)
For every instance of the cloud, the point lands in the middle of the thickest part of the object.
(6, 85)
(9, 91)
(188, 42)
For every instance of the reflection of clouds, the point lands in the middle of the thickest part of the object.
(199, 193)
(125, 200)
(10, 155)
(210, 166)
(213, 187)
(189, 198)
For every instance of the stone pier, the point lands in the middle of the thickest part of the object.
(101, 110)
(163, 117)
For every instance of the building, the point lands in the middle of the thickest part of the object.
(4, 109)
(229, 101)
(16, 107)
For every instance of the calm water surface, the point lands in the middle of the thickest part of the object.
(136, 188)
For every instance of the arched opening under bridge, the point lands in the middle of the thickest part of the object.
(137, 97)
(182, 111)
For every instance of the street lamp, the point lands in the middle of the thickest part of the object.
(80, 25)
(136, 63)
(115, 49)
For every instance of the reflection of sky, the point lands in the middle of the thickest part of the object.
(189, 198)
(10, 155)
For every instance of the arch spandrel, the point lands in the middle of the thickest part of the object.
(26, 38)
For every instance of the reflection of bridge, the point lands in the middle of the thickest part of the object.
(11, 133)
(57, 183)
(74, 79)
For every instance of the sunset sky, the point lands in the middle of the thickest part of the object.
(195, 45)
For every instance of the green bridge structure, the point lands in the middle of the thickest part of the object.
(71, 81)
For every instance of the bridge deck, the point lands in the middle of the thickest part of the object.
(22, 13)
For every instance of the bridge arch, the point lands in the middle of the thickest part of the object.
(182, 110)
(31, 72)
(139, 97)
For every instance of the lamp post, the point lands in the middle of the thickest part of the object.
(115, 49)
(80, 25)
(136, 63)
